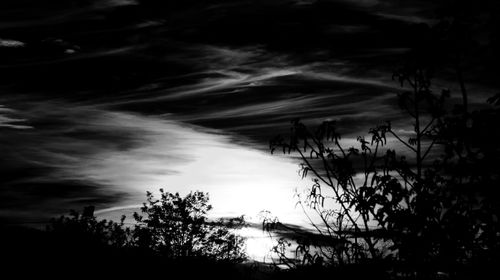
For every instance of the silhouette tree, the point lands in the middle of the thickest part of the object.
(175, 236)
(422, 203)
(173, 227)
(177, 227)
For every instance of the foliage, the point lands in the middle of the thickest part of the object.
(86, 229)
(177, 227)
(173, 227)
(423, 201)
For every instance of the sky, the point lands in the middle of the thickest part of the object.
(101, 101)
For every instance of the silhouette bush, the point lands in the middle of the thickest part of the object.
(85, 229)
(177, 227)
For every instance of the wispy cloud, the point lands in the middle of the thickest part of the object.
(8, 43)
(84, 151)
(7, 121)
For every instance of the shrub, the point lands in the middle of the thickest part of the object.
(84, 229)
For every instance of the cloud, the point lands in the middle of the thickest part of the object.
(7, 121)
(7, 43)
(74, 152)
(79, 154)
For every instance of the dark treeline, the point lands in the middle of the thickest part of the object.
(171, 237)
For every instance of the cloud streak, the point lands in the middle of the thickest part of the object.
(82, 154)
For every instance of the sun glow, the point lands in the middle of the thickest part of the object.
(240, 180)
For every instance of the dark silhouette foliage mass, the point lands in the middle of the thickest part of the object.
(177, 227)
(424, 207)
(412, 205)
(173, 235)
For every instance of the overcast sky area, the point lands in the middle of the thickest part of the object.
(101, 101)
